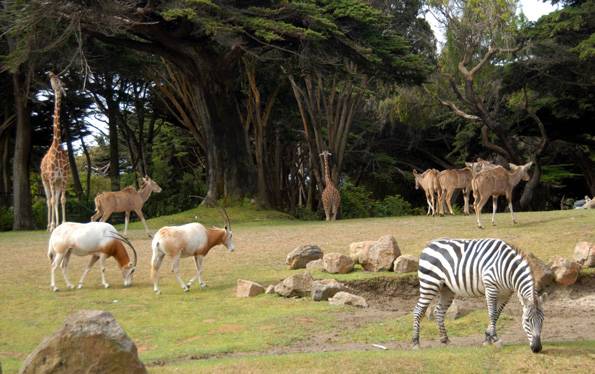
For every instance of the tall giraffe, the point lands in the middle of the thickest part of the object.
(331, 199)
(55, 165)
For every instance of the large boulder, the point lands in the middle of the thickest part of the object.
(406, 264)
(542, 274)
(584, 254)
(246, 288)
(297, 285)
(315, 265)
(358, 251)
(381, 254)
(325, 289)
(565, 271)
(91, 341)
(299, 257)
(346, 298)
(337, 263)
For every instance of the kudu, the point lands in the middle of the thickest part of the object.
(428, 181)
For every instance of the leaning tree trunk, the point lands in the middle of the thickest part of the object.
(23, 214)
(531, 186)
(76, 180)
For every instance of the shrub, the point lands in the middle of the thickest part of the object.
(356, 201)
(6, 219)
(393, 205)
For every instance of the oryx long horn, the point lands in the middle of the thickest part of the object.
(125, 240)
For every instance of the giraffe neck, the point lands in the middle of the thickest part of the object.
(327, 175)
(57, 138)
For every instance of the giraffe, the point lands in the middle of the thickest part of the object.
(55, 165)
(331, 199)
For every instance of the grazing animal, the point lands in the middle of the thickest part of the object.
(428, 181)
(100, 240)
(480, 165)
(54, 164)
(450, 181)
(126, 200)
(189, 240)
(497, 182)
(476, 267)
(331, 198)
(589, 203)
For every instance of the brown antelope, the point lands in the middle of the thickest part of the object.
(450, 181)
(496, 182)
(126, 200)
(98, 239)
(428, 181)
(192, 239)
(479, 165)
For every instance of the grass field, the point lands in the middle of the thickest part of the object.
(212, 330)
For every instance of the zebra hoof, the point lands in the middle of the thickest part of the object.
(445, 342)
(415, 347)
(186, 289)
(487, 342)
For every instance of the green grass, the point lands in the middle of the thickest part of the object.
(174, 326)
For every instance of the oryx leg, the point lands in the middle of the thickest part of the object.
(198, 262)
(139, 213)
(176, 269)
(102, 258)
(64, 268)
(92, 262)
(156, 261)
(55, 263)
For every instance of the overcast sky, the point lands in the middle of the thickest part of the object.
(533, 9)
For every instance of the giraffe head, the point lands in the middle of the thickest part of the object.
(325, 154)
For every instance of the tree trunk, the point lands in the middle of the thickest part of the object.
(112, 116)
(88, 158)
(23, 214)
(76, 180)
(530, 186)
(588, 167)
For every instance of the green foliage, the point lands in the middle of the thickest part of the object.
(6, 219)
(356, 201)
(392, 206)
(556, 174)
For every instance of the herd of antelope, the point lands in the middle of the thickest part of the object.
(100, 240)
(482, 177)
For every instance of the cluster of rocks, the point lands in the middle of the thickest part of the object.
(303, 285)
(561, 270)
(383, 254)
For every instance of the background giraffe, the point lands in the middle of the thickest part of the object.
(54, 165)
(331, 199)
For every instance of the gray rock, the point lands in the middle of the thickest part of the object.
(358, 251)
(325, 289)
(315, 265)
(406, 264)
(584, 254)
(246, 288)
(299, 257)
(381, 254)
(337, 263)
(297, 285)
(91, 341)
(346, 298)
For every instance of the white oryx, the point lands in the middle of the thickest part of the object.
(192, 239)
(98, 239)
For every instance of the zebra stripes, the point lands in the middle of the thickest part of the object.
(476, 267)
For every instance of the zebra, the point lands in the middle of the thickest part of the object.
(476, 267)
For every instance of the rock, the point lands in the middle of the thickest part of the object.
(270, 289)
(346, 298)
(91, 341)
(325, 289)
(406, 264)
(358, 251)
(315, 265)
(584, 254)
(565, 271)
(299, 257)
(542, 274)
(246, 288)
(381, 254)
(337, 263)
(297, 285)
(456, 310)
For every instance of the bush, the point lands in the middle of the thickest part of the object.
(393, 205)
(6, 219)
(356, 201)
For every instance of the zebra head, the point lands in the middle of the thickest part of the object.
(533, 322)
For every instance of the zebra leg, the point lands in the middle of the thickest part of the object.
(491, 293)
(446, 298)
(503, 299)
(425, 298)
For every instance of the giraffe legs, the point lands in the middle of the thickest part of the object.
(63, 203)
(48, 202)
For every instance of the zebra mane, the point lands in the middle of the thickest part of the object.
(530, 258)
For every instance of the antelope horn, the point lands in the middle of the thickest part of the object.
(221, 209)
(125, 240)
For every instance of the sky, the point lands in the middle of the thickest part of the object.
(533, 9)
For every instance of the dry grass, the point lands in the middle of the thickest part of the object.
(175, 326)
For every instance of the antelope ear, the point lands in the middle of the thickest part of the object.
(469, 164)
(512, 166)
(528, 164)
(414, 172)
